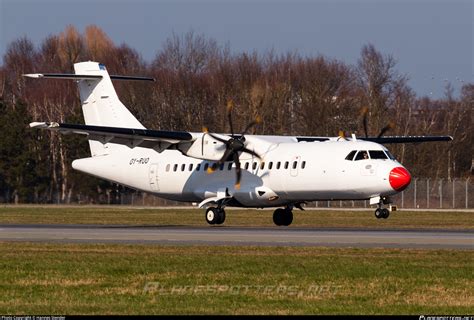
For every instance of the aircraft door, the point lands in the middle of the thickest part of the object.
(153, 177)
(294, 165)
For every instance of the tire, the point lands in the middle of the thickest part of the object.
(287, 217)
(278, 217)
(212, 216)
(378, 213)
(221, 215)
(385, 213)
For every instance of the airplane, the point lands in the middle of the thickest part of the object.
(219, 170)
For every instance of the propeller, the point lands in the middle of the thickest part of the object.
(364, 112)
(234, 145)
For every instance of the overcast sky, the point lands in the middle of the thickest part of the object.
(431, 39)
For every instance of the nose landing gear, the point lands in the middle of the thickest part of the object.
(381, 212)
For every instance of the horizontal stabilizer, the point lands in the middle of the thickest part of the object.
(73, 76)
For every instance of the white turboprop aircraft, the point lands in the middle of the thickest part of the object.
(276, 171)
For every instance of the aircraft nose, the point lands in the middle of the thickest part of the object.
(399, 178)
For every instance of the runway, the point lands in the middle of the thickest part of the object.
(222, 235)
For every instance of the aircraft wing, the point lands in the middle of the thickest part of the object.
(406, 139)
(144, 138)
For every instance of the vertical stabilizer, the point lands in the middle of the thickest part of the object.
(101, 105)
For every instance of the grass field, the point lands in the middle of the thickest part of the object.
(309, 218)
(148, 279)
(47, 278)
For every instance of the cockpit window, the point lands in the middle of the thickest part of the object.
(350, 156)
(389, 155)
(377, 154)
(362, 155)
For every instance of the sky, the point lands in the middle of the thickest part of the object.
(432, 40)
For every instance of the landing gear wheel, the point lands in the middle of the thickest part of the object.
(282, 217)
(385, 213)
(221, 214)
(378, 213)
(212, 215)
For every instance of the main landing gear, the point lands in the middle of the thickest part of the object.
(215, 215)
(283, 217)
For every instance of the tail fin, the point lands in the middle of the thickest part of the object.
(100, 103)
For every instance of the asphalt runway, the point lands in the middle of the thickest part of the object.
(222, 235)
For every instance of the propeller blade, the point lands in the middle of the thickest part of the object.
(258, 120)
(205, 131)
(230, 107)
(389, 126)
(217, 138)
(238, 171)
(252, 153)
(226, 155)
(364, 113)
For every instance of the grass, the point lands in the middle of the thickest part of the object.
(310, 218)
(111, 279)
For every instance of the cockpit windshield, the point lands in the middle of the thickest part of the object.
(356, 155)
(377, 154)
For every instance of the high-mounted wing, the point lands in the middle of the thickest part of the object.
(406, 139)
(158, 140)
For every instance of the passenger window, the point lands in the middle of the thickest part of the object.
(168, 167)
(262, 165)
(190, 167)
(214, 166)
(278, 165)
(303, 164)
(246, 166)
(362, 155)
(221, 167)
(229, 167)
(377, 154)
(254, 165)
(286, 164)
(270, 165)
(295, 164)
(198, 167)
(183, 166)
(350, 156)
(175, 167)
(206, 166)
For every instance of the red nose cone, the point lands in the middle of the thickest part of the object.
(399, 178)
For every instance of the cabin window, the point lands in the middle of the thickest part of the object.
(168, 167)
(278, 165)
(286, 164)
(246, 166)
(206, 166)
(229, 167)
(221, 167)
(198, 167)
(254, 165)
(303, 164)
(270, 165)
(190, 167)
(377, 154)
(214, 166)
(295, 164)
(175, 167)
(262, 165)
(362, 155)
(350, 156)
(183, 166)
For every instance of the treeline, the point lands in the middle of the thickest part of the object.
(195, 77)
